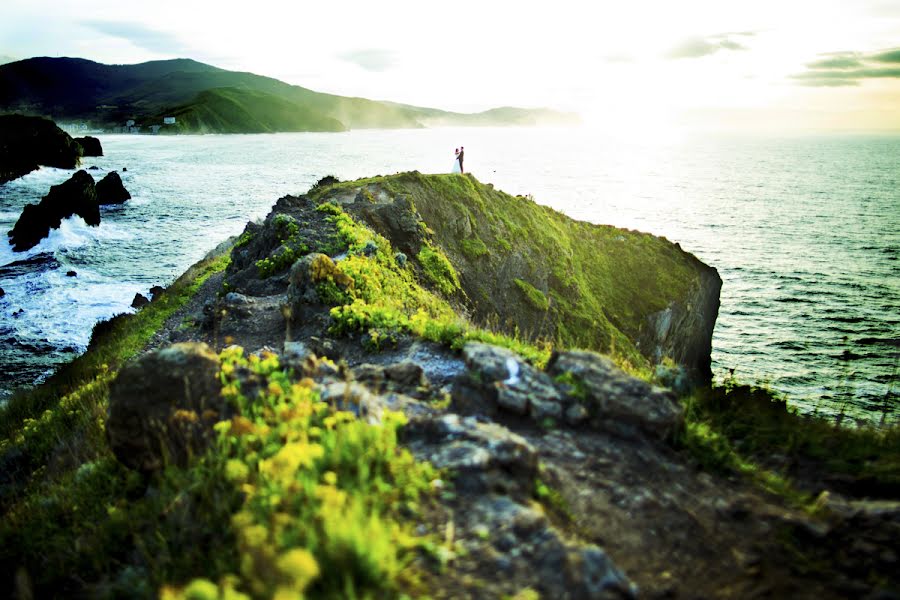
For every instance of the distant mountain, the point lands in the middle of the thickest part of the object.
(204, 98)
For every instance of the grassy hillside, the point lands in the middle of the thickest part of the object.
(236, 110)
(107, 95)
(538, 271)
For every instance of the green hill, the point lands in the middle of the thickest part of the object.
(108, 95)
(236, 110)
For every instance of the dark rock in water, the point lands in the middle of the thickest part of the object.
(77, 196)
(2, 292)
(71, 274)
(124, 169)
(111, 191)
(19, 312)
(163, 405)
(155, 291)
(28, 142)
(93, 168)
(90, 146)
(139, 301)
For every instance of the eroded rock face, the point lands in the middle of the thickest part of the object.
(111, 191)
(683, 330)
(77, 196)
(305, 277)
(90, 146)
(162, 407)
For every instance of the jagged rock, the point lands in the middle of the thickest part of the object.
(71, 274)
(162, 406)
(90, 146)
(77, 196)
(397, 221)
(531, 549)
(139, 301)
(615, 399)
(498, 377)
(111, 191)
(93, 168)
(484, 456)
(27, 142)
(156, 291)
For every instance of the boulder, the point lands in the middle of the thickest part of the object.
(139, 301)
(29, 142)
(2, 292)
(615, 400)
(305, 277)
(156, 291)
(77, 196)
(111, 191)
(498, 378)
(90, 146)
(71, 274)
(483, 456)
(162, 407)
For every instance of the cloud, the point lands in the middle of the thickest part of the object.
(839, 69)
(697, 47)
(142, 37)
(370, 59)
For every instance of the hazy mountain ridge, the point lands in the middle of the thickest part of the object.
(108, 95)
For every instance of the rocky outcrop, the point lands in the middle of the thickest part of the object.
(162, 405)
(77, 196)
(29, 142)
(111, 191)
(578, 388)
(90, 146)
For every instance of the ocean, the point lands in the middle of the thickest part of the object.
(804, 230)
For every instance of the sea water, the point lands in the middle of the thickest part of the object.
(805, 232)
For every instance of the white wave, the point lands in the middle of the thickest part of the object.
(73, 232)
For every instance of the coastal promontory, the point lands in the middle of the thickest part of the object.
(417, 385)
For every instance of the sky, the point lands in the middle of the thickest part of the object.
(633, 65)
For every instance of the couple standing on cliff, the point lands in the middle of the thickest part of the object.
(458, 161)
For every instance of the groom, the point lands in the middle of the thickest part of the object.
(461, 152)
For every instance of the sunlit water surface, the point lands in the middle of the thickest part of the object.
(804, 231)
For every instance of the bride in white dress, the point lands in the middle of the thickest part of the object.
(456, 168)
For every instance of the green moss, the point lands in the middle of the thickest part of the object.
(534, 296)
(438, 269)
(473, 248)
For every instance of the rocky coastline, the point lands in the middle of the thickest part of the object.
(377, 391)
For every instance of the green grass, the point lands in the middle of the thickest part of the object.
(746, 429)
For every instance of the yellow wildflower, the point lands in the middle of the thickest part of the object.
(236, 471)
(300, 566)
(291, 457)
